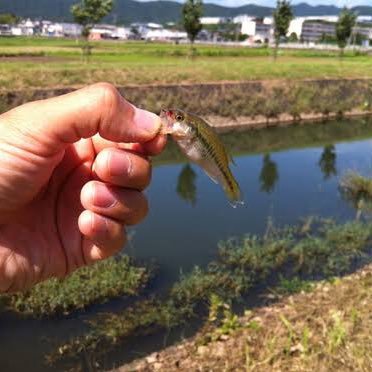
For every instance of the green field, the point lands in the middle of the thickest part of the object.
(49, 63)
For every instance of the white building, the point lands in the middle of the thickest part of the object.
(60, 29)
(295, 26)
(165, 35)
(121, 33)
(212, 20)
(248, 24)
(24, 28)
(257, 29)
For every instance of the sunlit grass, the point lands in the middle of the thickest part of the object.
(324, 249)
(88, 285)
(356, 185)
(124, 63)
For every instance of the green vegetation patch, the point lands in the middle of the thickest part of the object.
(356, 186)
(125, 63)
(89, 285)
(325, 248)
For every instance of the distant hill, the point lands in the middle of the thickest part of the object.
(128, 11)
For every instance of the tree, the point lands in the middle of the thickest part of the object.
(269, 174)
(191, 13)
(8, 19)
(282, 17)
(87, 13)
(293, 38)
(344, 28)
(186, 186)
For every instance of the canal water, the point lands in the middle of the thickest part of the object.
(285, 174)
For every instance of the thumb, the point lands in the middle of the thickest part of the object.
(57, 122)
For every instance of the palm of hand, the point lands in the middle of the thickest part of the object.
(43, 238)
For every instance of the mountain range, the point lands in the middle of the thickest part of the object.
(128, 11)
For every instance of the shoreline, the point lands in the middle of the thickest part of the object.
(240, 124)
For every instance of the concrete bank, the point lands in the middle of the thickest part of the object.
(240, 105)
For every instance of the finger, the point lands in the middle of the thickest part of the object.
(106, 236)
(154, 146)
(123, 168)
(126, 206)
(59, 121)
(150, 148)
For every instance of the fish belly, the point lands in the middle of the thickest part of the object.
(196, 153)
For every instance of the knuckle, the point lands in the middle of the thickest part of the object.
(109, 97)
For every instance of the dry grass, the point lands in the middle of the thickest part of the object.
(327, 329)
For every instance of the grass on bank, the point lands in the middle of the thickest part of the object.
(357, 190)
(325, 329)
(326, 249)
(89, 285)
(356, 185)
(58, 63)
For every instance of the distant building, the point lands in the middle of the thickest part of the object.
(295, 26)
(313, 30)
(165, 35)
(264, 31)
(248, 24)
(99, 32)
(5, 30)
(51, 29)
(257, 29)
(212, 20)
(24, 28)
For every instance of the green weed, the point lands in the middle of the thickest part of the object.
(89, 285)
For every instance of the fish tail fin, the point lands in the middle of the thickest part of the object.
(234, 193)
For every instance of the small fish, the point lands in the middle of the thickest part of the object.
(200, 143)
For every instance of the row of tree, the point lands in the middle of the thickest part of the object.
(87, 13)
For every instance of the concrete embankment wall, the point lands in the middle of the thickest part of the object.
(241, 104)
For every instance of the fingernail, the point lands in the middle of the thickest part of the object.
(147, 121)
(119, 163)
(103, 197)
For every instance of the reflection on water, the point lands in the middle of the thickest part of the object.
(269, 174)
(327, 162)
(186, 184)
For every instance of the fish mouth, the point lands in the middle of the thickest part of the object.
(166, 119)
(164, 113)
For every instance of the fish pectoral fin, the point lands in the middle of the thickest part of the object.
(212, 177)
(231, 159)
(210, 169)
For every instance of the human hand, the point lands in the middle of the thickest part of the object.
(72, 169)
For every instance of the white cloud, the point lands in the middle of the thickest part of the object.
(339, 3)
(271, 3)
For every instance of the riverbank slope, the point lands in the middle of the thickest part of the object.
(325, 327)
(240, 105)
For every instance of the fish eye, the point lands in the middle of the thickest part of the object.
(179, 117)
